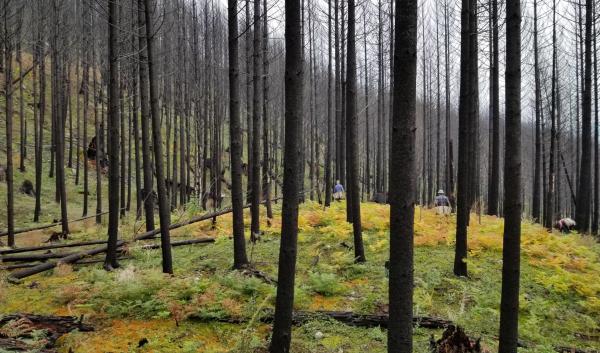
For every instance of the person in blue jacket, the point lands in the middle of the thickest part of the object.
(338, 191)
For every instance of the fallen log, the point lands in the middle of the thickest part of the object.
(180, 243)
(52, 326)
(46, 256)
(82, 262)
(76, 257)
(346, 317)
(50, 225)
(53, 246)
(32, 257)
(17, 275)
(17, 345)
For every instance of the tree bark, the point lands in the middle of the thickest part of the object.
(509, 302)
(352, 126)
(237, 198)
(584, 189)
(294, 72)
(403, 178)
(114, 142)
(164, 214)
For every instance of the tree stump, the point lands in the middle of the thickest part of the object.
(455, 340)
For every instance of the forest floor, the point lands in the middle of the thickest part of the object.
(139, 306)
(560, 290)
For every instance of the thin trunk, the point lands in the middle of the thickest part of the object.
(164, 214)
(237, 198)
(256, 130)
(114, 142)
(509, 302)
(282, 325)
(266, 181)
(145, 117)
(352, 126)
(403, 178)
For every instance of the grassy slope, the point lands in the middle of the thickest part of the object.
(560, 286)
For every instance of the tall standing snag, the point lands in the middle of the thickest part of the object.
(256, 131)
(235, 131)
(352, 143)
(282, 326)
(163, 205)
(403, 178)
(468, 117)
(509, 307)
(584, 186)
(113, 137)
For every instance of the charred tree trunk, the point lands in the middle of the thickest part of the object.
(584, 189)
(114, 143)
(237, 198)
(294, 72)
(509, 306)
(403, 178)
(164, 214)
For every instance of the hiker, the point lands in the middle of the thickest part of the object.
(338, 191)
(442, 203)
(564, 225)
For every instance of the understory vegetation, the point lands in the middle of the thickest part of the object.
(208, 307)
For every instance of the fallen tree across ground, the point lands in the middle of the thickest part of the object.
(17, 275)
(75, 257)
(49, 225)
(45, 329)
(346, 317)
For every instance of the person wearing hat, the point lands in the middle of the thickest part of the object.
(442, 203)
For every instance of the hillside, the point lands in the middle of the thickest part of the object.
(559, 301)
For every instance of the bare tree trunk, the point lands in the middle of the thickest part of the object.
(164, 214)
(42, 110)
(494, 180)
(584, 192)
(282, 326)
(266, 181)
(509, 306)
(329, 139)
(237, 198)
(114, 142)
(536, 206)
(352, 126)
(256, 130)
(145, 109)
(403, 178)
(8, 110)
(467, 131)
(549, 219)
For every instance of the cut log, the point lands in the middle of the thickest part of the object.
(180, 243)
(252, 272)
(52, 246)
(50, 225)
(455, 340)
(17, 275)
(17, 345)
(32, 257)
(346, 317)
(81, 262)
(52, 326)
